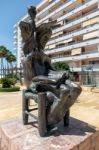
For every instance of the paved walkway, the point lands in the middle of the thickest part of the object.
(86, 108)
(10, 105)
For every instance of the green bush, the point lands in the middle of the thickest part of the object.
(8, 82)
(72, 78)
(13, 81)
(61, 66)
(11, 89)
(0, 81)
(10, 75)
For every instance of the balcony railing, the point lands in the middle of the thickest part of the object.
(15, 31)
(83, 18)
(48, 7)
(76, 32)
(76, 10)
(87, 67)
(77, 57)
(74, 45)
(41, 3)
(68, 56)
(57, 10)
(55, 2)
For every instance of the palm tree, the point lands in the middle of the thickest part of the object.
(3, 53)
(6, 54)
(10, 59)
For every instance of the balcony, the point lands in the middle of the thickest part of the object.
(15, 37)
(15, 48)
(41, 3)
(61, 8)
(73, 46)
(47, 8)
(15, 31)
(87, 67)
(75, 69)
(81, 7)
(91, 28)
(77, 58)
(78, 21)
(15, 26)
(15, 42)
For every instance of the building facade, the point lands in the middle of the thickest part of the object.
(75, 38)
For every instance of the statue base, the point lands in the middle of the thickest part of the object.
(78, 136)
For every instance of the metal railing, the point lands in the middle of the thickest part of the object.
(72, 44)
(85, 15)
(74, 31)
(16, 71)
(52, 12)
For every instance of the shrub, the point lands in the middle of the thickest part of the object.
(71, 77)
(10, 75)
(13, 81)
(61, 66)
(8, 82)
(0, 81)
(11, 89)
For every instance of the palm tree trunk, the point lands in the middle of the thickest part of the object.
(11, 68)
(1, 67)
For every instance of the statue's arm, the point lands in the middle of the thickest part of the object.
(44, 79)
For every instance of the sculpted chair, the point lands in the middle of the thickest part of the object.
(54, 94)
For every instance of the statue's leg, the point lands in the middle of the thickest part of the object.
(42, 120)
(24, 109)
(66, 118)
(43, 87)
(67, 98)
(57, 112)
(75, 91)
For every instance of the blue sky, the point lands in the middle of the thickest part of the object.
(10, 12)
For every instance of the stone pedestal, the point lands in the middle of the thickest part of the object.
(78, 136)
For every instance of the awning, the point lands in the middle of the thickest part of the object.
(76, 51)
(91, 35)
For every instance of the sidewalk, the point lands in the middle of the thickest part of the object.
(86, 108)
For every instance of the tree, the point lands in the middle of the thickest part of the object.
(61, 66)
(6, 54)
(10, 59)
(3, 53)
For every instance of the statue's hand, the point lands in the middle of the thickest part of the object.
(62, 80)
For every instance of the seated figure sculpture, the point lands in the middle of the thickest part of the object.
(61, 93)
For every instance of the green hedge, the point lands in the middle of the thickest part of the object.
(11, 89)
(61, 66)
(7, 82)
(11, 76)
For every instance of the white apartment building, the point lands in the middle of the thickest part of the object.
(75, 39)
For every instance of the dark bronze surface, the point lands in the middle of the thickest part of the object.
(61, 93)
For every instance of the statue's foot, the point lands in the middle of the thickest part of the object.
(50, 127)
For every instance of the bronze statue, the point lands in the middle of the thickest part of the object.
(61, 93)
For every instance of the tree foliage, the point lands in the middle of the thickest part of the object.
(7, 55)
(61, 66)
(10, 57)
(8, 82)
(3, 51)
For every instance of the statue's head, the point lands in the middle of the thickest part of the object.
(32, 10)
